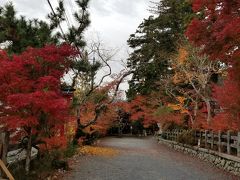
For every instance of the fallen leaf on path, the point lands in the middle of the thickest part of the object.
(99, 151)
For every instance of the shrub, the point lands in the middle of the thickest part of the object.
(70, 150)
(187, 137)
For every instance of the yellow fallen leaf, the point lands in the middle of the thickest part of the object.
(97, 151)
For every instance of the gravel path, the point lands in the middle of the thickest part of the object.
(143, 159)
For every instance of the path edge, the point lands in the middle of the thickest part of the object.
(224, 161)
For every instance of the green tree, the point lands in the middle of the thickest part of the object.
(153, 43)
(21, 33)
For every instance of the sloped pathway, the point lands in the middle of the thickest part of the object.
(143, 159)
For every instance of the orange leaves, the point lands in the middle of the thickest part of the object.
(181, 62)
(142, 108)
(175, 107)
(178, 78)
(98, 151)
(181, 99)
(104, 120)
(182, 55)
(179, 106)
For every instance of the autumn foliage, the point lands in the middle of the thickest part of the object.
(228, 98)
(203, 87)
(30, 89)
(141, 108)
(186, 92)
(216, 30)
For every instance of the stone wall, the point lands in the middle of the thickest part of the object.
(224, 161)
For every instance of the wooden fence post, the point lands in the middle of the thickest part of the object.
(206, 138)
(177, 135)
(238, 144)
(228, 142)
(199, 139)
(200, 136)
(5, 142)
(219, 141)
(212, 140)
(195, 136)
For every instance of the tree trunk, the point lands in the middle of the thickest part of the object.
(120, 131)
(209, 116)
(29, 149)
(191, 119)
(79, 131)
(195, 109)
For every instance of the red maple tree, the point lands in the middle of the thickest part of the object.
(216, 30)
(30, 84)
(141, 108)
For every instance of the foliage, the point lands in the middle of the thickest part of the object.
(171, 125)
(31, 98)
(21, 33)
(41, 168)
(190, 86)
(199, 79)
(56, 142)
(179, 106)
(163, 110)
(70, 150)
(82, 70)
(228, 99)
(154, 41)
(142, 108)
(31, 80)
(186, 137)
(215, 29)
(74, 35)
(106, 117)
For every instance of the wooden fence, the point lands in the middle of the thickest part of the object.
(4, 142)
(223, 142)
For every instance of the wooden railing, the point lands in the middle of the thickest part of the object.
(224, 142)
(4, 141)
(5, 170)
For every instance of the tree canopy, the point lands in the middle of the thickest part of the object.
(153, 42)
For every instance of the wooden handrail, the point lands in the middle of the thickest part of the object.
(212, 140)
(6, 171)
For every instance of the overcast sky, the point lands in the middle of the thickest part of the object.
(112, 20)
